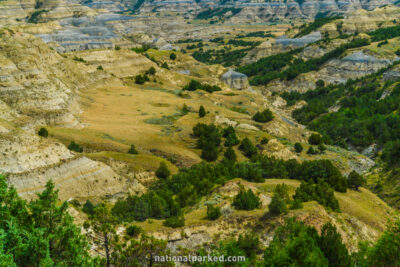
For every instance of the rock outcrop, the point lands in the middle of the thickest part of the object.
(235, 80)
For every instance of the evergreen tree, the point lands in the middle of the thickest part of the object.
(355, 180)
(202, 112)
(75, 147)
(172, 56)
(385, 252)
(213, 213)
(102, 223)
(277, 205)
(315, 139)
(151, 71)
(246, 200)
(141, 252)
(43, 132)
(175, 221)
(280, 200)
(247, 147)
(185, 109)
(230, 154)
(311, 151)
(163, 171)
(294, 244)
(298, 148)
(230, 135)
(321, 148)
(210, 152)
(88, 207)
(133, 150)
(39, 233)
(264, 116)
(330, 243)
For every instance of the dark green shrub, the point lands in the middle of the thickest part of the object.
(165, 65)
(246, 200)
(264, 116)
(139, 79)
(75, 147)
(174, 222)
(133, 150)
(311, 151)
(298, 148)
(247, 148)
(163, 171)
(172, 56)
(202, 112)
(320, 83)
(133, 230)
(213, 213)
(43, 132)
(151, 71)
(230, 154)
(355, 180)
(88, 207)
(315, 139)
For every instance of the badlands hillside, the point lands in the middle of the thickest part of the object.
(131, 129)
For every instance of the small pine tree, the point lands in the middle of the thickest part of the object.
(264, 116)
(298, 148)
(133, 150)
(88, 208)
(311, 151)
(172, 56)
(320, 83)
(151, 71)
(165, 65)
(210, 152)
(264, 141)
(175, 222)
(202, 112)
(75, 147)
(321, 148)
(213, 213)
(230, 154)
(163, 171)
(139, 79)
(315, 139)
(248, 148)
(133, 230)
(246, 200)
(279, 200)
(355, 180)
(185, 109)
(43, 132)
(277, 205)
(100, 67)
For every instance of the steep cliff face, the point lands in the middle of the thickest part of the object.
(38, 87)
